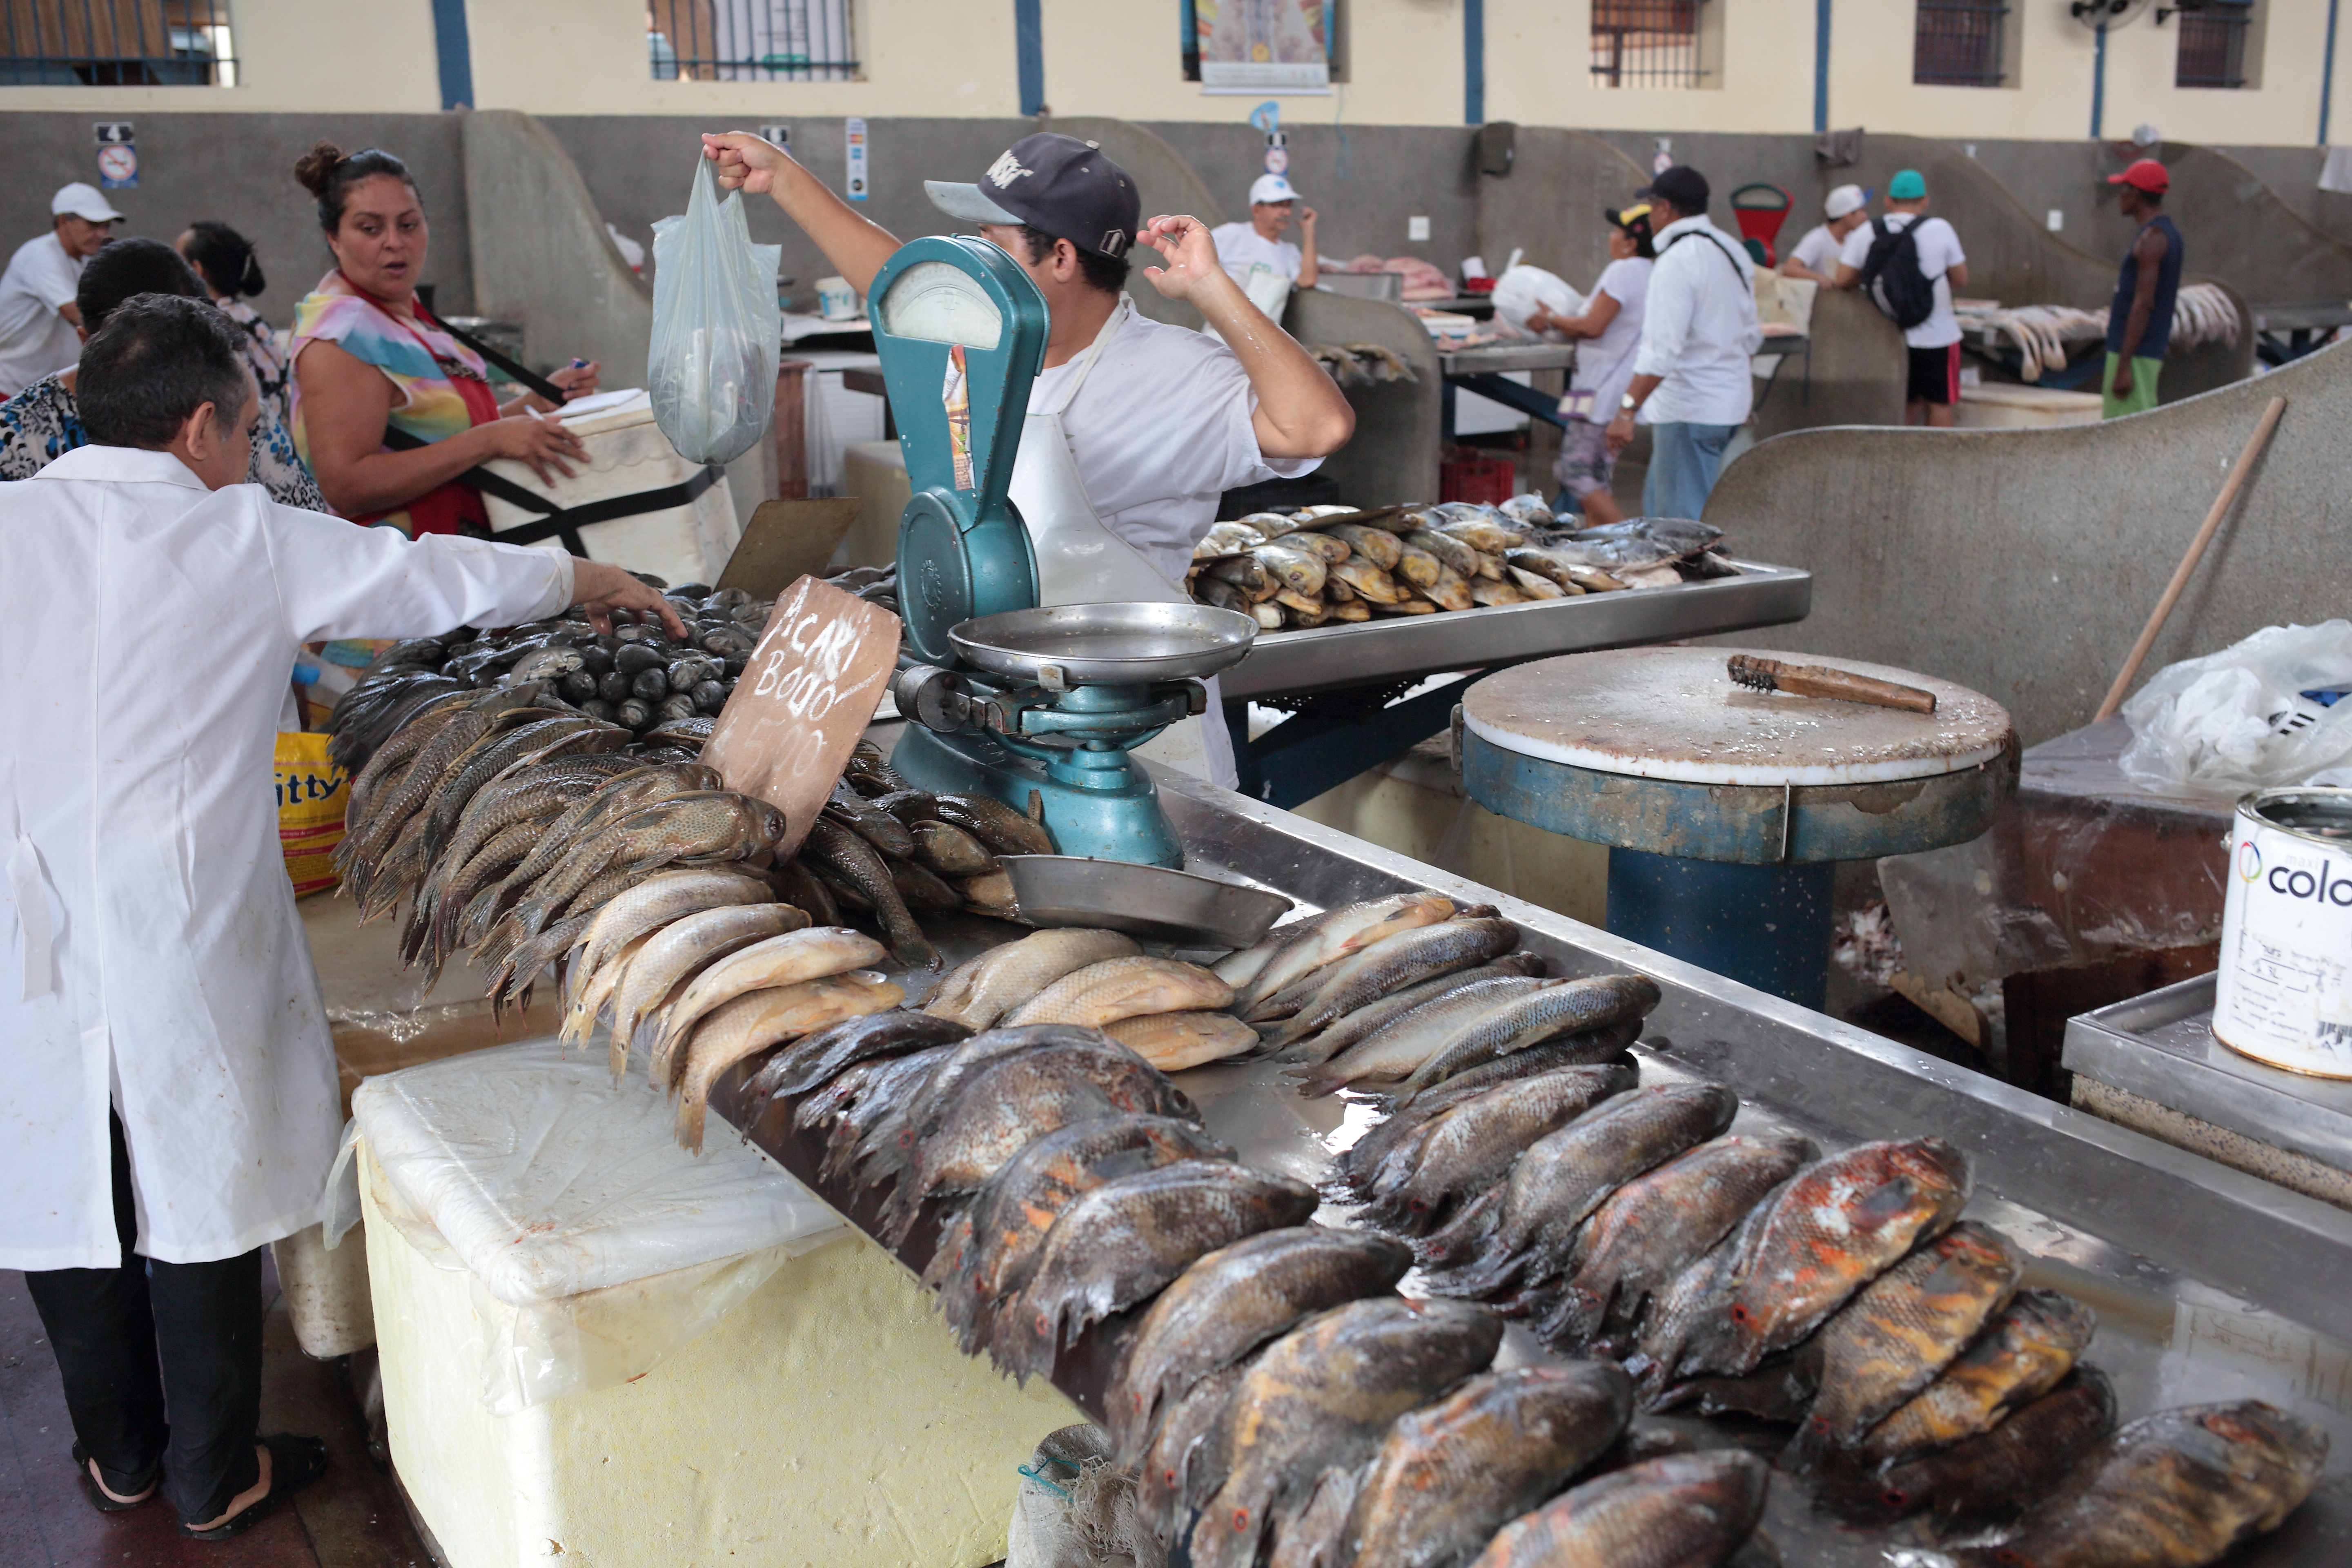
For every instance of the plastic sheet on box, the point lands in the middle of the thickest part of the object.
(596, 1245)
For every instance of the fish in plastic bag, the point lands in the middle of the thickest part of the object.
(717, 329)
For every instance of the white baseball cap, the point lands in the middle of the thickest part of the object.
(1271, 188)
(83, 202)
(1843, 200)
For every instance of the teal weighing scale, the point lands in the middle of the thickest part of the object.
(1035, 707)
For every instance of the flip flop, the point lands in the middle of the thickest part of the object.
(294, 1463)
(99, 1498)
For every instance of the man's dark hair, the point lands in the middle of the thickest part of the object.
(126, 267)
(158, 359)
(1107, 273)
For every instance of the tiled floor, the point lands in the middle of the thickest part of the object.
(350, 1517)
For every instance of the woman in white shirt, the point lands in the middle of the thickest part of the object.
(1611, 328)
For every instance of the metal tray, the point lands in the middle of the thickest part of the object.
(1364, 653)
(1149, 902)
(2160, 1046)
(2209, 1284)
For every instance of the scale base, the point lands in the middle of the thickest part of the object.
(1122, 824)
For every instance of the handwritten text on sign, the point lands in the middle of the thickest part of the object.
(805, 695)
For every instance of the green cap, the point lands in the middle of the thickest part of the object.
(1906, 186)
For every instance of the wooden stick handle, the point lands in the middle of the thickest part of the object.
(2172, 591)
(1820, 681)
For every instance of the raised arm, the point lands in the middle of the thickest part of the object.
(855, 246)
(1301, 412)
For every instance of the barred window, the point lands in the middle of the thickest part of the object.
(1648, 43)
(1961, 43)
(750, 40)
(116, 43)
(2213, 47)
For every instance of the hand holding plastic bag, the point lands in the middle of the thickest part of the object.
(1521, 289)
(2236, 721)
(718, 330)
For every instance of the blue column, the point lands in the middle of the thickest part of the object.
(1029, 48)
(2098, 80)
(2327, 74)
(454, 52)
(1821, 66)
(1473, 62)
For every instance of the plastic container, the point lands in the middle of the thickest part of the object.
(2285, 990)
(1492, 481)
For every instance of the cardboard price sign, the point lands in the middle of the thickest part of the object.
(804, 699)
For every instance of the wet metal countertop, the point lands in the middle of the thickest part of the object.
(2209, 1284)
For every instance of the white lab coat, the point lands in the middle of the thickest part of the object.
(149, 633)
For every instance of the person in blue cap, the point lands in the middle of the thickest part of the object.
(1907, 238)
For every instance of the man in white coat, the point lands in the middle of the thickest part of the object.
(170, 1105)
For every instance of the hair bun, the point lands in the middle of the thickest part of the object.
(316, 168)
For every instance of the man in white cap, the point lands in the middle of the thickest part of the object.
(1135, 428)
(36, 293)
(1815, 256)
(1259, 242)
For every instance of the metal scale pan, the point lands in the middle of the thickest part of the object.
(1105, 645)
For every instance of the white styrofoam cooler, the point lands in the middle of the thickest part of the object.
(627, 453)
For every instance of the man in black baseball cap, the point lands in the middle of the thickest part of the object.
(1157, 421)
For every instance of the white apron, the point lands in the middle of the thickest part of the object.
(1080, 560)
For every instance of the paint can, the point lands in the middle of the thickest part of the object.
(835, 300)
(2283, 994)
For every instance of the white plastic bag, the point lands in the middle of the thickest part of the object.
(2235, 720)
(717, 329)
(1521, 289)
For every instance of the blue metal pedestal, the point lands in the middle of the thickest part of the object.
(1766, 926)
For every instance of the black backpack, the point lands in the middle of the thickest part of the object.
(1891, 275)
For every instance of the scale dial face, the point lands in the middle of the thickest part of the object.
(938, 303)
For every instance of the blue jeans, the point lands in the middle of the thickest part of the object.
(1684, 461)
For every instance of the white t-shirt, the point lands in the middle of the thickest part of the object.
(1939, 252)
(1160, 431)
(1240, 246)
(35, 340)
(1818, 250)
(1604, 365)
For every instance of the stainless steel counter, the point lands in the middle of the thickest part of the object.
(2209, 1284)
(1328, 658)
(2161, 1048)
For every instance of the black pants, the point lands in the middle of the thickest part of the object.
(128, 1339)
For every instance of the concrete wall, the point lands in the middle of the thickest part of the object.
(240, 171)
(2023, 562)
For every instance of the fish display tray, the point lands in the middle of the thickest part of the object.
(2161, 1048)
(1364, 653)
(2209, 1284)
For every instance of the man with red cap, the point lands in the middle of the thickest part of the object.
(2139, 321)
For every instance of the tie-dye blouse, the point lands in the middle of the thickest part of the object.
(423, 362)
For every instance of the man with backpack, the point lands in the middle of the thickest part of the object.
(1908, 264)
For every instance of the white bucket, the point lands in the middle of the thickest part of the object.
(2284, 992)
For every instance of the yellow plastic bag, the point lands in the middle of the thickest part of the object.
(312, 794)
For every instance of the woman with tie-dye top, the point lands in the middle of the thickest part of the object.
(389, 410)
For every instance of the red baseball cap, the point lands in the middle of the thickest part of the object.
(2147, 174)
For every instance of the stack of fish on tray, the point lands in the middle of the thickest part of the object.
(1323, 565)
(1744, 1273)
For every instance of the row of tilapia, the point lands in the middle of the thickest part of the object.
(1323, 565)
(1842, 1296)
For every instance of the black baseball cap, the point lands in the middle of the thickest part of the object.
(1056, 184)
(1682, 186)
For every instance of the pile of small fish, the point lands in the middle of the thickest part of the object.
(1168, 1012)
(875, 585)
(1743, 1273)
(1323, 565)
(635, 676)
(2202, 313)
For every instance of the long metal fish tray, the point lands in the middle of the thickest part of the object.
(1329, 658)
(2209, 1284)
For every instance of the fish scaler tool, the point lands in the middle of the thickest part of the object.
(1037, 705)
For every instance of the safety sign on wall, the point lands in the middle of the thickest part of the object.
(118, 154)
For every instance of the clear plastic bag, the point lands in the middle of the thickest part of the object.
(2237, 720)
(1521, 289)
(717, 329)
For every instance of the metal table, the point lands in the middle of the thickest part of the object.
(2209, 1284)
(2289, 331)
(1349, 671)
(1486, 372)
